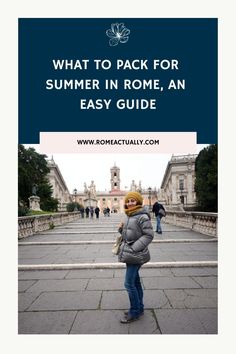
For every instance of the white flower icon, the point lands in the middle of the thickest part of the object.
(118, 34)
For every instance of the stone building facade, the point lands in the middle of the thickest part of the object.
(59, 187)
(114, 199)
(177, 187)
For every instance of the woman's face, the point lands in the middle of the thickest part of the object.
(131, 203)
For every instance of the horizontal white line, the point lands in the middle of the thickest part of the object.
(77, 233)
(116, 265)
(96, 231)
(96, 242)
(88, 227)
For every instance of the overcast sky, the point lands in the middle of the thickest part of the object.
(79, 168)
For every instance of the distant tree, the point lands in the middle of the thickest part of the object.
(23, 210)
(47, 202)
(73, 206)
(32, 173)
(50, 204)
(206, 183)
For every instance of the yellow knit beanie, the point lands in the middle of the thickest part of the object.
(135, 195)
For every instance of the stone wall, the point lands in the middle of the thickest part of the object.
(30, 225)
(205, 223)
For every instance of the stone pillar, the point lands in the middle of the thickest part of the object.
(174, 190)
(34, 203)
(189, 189)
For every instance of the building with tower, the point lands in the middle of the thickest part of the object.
(113, 199)
(115, 178)
(177, 188)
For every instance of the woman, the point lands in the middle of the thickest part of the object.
(137, 233)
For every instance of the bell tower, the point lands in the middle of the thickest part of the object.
(115, 178)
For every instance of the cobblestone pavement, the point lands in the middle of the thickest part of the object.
(178, 300)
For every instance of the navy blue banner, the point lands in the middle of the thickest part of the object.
(118, 75)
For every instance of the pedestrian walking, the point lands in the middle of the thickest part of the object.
(159, 212)
(137, 233)
(108, 211)
(91, 212)
(97, 211)
(87, 212)
(82, 212)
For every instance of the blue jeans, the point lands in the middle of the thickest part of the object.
(158, 229)
(134, 289)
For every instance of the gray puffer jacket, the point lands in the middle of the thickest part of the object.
(137, 233)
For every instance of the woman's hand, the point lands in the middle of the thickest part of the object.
(120, 227)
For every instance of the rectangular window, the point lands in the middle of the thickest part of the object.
(181, 184)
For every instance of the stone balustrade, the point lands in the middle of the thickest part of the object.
(30, 225)
(205, 223)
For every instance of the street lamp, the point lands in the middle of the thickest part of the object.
(149, 198)
(75, 193)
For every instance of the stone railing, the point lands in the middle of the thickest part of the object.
(205, 223)
(30, 225)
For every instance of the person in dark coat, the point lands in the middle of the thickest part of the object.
(82, 212)
(87, 212)
(97, 210)
(91, 212)
(159, 212)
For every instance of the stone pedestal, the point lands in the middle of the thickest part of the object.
(90, 202)
(34, 203)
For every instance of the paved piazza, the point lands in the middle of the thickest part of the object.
(85, 299)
